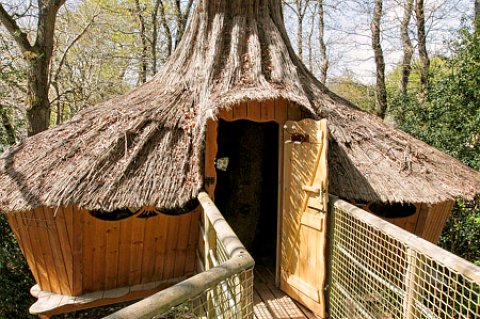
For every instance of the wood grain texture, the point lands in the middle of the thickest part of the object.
(303, 264)
(432, 219)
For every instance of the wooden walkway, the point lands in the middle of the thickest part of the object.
(271, 303)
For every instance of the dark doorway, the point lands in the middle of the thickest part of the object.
(247, 188)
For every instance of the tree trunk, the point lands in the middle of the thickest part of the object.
(38, 59)
(422, 51)
(166, 28)
(38, 112)
(476, 17)
(406, 66)
(142, 77)
(321, 39)
(155, 36)
(237, 41)
(300, 14)
(380, 91)
(7, 126)
(310, 38)
(181, 19)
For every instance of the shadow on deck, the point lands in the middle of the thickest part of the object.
(270, 302)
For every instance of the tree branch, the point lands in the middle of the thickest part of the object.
(77, 38)
(12, 27)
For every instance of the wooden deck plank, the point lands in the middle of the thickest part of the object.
(268, 298)
(260, 310)
(274, 305)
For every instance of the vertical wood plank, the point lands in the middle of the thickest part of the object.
(88, 261)
(304, 229)
(40, 243)
(136, 250)
(148, 262)
(268, 110)
(23, 236)
(171, 241)
(254, 111)
(192, 242)
(123, 271)
(112, 246)
(76, 216)
(69, 220)
(55, 247)
(182, 244)
(65, 245)
(240, 111)
(99, 254)
(432, 220)
(280, 112)
(161, 247)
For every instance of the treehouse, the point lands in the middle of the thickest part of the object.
(105, 206)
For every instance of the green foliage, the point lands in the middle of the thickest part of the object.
(451, 118)
(450, 121)
(15, 277)
(12, 82)
(462, 232)
(362, 95)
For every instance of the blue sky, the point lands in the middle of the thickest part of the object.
(348, 32)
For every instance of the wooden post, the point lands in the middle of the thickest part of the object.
(409, 299)
(210, 242)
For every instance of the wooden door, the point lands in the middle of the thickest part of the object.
(303, 240)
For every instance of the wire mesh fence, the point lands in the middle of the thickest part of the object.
(230, 299)
(379, 271)
(224, 290)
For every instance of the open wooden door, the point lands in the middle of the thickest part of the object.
(303, 240)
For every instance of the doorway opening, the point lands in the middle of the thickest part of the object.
(247, 185)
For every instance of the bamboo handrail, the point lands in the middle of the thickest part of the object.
(164, 300)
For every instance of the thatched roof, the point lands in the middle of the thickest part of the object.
(146, 147)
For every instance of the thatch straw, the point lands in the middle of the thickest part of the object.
(146, 148)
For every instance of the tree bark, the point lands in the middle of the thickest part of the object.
(380, 90)
(406, 67)
(38, 57)
(7, 126)
(155, 36)
(422, 51)
(181, 19)
(143, 37)
(300, 15)
(324, 63)
(310, 38)
(166, 28)
(476, 17)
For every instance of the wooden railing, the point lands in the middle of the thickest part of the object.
(223, 290)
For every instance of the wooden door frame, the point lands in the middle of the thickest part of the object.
(278, 111)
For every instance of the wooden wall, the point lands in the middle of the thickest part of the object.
(427, 222)
(432, 219)
(72, 253)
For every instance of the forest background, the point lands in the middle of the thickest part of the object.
(414, 63)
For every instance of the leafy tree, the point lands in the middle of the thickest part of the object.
(37, 55)
(450, 120)
(360, 94)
